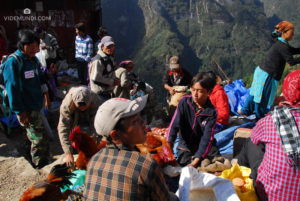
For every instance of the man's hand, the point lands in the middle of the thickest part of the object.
(23, 117)
(43, 47)
(172, 91)
(53, 68)
(194, 163)
(69, 159)
(47, 101)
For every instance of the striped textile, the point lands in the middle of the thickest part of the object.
(83, 48)
(122, 174)
(51, 44)
(276, 176)
(289, 134)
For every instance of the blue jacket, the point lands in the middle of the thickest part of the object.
(29, 96)
(196, 129)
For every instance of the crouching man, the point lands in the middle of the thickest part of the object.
(79, 107)
(119, 171)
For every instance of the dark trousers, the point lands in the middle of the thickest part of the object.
(251, 156)
(104, 96)
(82, 67)
(185, 157)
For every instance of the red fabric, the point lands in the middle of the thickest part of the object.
(280, 180)
(219, 99)
(3, 49)
(291, 88)
(180, 72)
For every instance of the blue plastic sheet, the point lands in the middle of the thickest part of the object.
(13, 122)
(224, 139)
(237, 95)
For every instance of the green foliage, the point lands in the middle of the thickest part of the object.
(286, 71)
(236, 33)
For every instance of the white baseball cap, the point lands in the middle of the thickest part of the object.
(112, 110)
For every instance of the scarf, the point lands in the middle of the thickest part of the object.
(291, 88)
(288, 131)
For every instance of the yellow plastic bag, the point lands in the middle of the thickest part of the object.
(246, 192)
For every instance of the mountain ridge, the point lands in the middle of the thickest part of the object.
(235, 32)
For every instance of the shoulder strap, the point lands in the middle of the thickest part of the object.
(96, 57)
(105, 62)
(20, 63)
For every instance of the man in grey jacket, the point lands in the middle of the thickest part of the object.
(79, 104)
(102, 70)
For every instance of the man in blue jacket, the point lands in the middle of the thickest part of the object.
(25, 85)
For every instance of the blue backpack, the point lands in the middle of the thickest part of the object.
(9, 119)
(4, 59)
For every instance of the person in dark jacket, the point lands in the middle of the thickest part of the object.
(194, 120)
(176, 80)
(266, 76)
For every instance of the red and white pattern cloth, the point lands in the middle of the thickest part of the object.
(291, 88)
(280, 180)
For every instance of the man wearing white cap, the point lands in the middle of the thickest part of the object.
(80, 103)
(176, 81)
(119, 171)
(102, 70)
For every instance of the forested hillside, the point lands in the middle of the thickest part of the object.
(235, 32)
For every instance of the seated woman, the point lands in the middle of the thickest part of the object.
(278, 176)
(219, 99)
(194, 120)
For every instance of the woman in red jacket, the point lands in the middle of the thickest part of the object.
(219, 99)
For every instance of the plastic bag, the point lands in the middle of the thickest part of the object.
(246, 192)
(42, 56)
(77, 180)
(194, 185)
(237, 95)
(172, 171)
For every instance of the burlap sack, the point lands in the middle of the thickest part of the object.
(179, 92)
(176, 98)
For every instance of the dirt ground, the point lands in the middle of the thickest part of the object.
(16, 173)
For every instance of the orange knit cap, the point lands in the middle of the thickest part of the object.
(284, 26)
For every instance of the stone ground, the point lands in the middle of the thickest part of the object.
(16, 173)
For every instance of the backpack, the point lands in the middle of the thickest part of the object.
(4, 59)
(10, 120)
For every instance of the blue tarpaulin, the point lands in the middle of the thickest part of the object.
(224, 138)
(237, 95)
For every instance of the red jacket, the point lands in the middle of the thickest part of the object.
(219, 99)
(3, 50)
